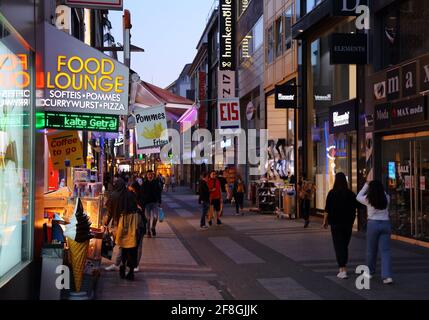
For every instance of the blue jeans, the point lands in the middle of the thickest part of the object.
(205, 206)
(151, 212)
(378, 239)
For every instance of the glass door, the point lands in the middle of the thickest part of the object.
(406, 174)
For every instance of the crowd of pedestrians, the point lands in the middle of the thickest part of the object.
(133, 213)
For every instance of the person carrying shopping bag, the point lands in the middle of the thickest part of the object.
(122, 208)
(379, 229)
(341, 206)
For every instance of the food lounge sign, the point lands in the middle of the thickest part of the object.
(15, 80)
(80, 79)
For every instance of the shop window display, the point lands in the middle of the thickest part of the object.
(15, 153)
(331, 84)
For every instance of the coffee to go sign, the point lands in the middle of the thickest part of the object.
(81, 79)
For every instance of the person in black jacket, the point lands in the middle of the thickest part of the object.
(204, 200)
(341, 206)
(152, 201)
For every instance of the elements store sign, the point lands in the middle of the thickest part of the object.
(349, 48)
(227, 12)
(400, 113)
(342, 117)
(80, 79)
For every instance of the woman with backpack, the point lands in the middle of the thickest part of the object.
(379, 229)
(341, 206)
(238, 192)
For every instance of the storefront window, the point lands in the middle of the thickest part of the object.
(281, 145)
(331, 84)
(399, 38)
(16, 222)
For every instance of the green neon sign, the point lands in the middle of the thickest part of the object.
(78, 121)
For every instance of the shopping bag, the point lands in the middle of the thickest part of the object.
(161, 215)
(107, 245)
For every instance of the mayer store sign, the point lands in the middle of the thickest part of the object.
(80, 79)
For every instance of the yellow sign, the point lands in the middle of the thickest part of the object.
(66, 150)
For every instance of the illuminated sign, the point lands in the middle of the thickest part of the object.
(342, 117)
(287, 95)
(14, 81)
(151, 127)
(65, 149)
(229, 113)
(80, 79)
(227, 35)
(77, 121)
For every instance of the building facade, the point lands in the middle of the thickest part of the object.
(281, 67)
(332, 99)
(250, 71)
(397, 133)
(24, 169)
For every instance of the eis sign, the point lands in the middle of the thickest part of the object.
(229, 113)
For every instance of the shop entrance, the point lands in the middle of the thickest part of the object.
(406, 174)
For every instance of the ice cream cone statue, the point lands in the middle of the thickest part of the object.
(78, 234)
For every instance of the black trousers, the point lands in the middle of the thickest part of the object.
(239, 201)
(305, 209)
(341, 236)
(129, 257)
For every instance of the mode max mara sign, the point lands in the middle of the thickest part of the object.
(80, 79)
(227, 13)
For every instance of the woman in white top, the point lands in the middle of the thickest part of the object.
(379, 228)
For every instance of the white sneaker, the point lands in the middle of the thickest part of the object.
(204, 228)
(113, 267)
(136, 269)
(342, 275)
(388, 281)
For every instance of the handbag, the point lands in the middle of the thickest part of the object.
(107, 245)
(126, 236)
(161, 215)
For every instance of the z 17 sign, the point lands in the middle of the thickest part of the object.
(228, 111)
(151, 126)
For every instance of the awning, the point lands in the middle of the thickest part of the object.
(149, 95)
(189, 118)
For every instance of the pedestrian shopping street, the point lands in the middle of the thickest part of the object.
(254, 257)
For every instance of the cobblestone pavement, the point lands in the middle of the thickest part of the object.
(255, 257)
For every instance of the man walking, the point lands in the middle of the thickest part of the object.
(152, 201)
(215, 196)
(204, 200)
